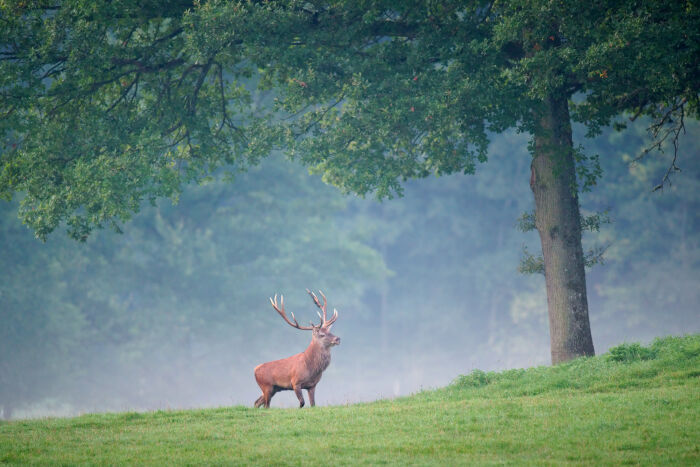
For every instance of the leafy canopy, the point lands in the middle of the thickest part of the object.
(105, 104)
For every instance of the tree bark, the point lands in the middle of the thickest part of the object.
(558, 221)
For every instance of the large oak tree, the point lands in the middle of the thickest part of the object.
(106, 104)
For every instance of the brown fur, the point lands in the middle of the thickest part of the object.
(300, 371)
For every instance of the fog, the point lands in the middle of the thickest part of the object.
(174, 312)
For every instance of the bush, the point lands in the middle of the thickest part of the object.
(628, 353)
(475, 379)
(674, 347)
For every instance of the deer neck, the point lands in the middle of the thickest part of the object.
(318, 357)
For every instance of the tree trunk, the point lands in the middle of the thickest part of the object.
(558, 221)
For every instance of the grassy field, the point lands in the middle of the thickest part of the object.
(634, 405)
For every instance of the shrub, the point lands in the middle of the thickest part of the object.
(674, 347)
(628, 353)
(475, 379)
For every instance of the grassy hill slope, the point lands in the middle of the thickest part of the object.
(633, 405)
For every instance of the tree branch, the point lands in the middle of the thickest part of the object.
(198, 85)
(124, 94)
(670, 124)
(323, 114)
(680, 127)
(225, 120)
(146, 68)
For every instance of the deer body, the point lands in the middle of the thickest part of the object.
(303, 370)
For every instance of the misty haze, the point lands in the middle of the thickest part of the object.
(174, 312)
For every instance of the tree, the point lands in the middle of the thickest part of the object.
(392, 92)
(403, 91)
(106, 105)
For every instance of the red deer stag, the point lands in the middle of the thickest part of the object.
(303, 370)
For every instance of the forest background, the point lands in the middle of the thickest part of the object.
(174, 311)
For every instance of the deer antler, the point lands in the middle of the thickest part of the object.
(324, 321)
(279, 310)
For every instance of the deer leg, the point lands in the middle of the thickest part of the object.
(270, 393)
(267, 393)
(260, 401)
(312, 391)
(300, 396)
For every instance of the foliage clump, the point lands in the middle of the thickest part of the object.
(628, 353)
(667, 348)
(476, 379)
(685, 348)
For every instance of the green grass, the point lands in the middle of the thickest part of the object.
(634, 405)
